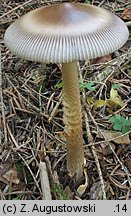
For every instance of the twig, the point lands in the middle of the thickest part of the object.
(12, 137)
(55, 108)
(128, 23)
(2, 108)
(30, 172)
(0, 104)
(19, 6)
(57, 162)
(25, 99)
(101, 3)
(122, 166)
(46, 194)
(21, 193)
(100, 172)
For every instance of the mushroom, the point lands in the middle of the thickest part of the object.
(66, 33)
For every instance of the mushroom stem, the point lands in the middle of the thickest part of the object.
(72, 119)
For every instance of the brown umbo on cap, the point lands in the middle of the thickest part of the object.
(66, 32)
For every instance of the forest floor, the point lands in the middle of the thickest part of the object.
(32, 126)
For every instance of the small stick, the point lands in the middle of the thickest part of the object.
(55, 108)
(21, 193)
(19, 6)
(45, 186)
(2, 108)
(34, 178)
(12, 137)
(128, 23)
(101, 3)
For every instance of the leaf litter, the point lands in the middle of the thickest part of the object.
(32, 127)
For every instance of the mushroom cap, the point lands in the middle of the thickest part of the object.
(66, 32)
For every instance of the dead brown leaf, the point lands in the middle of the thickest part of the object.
(105, 148)
(102, 59)
(95, 191)
(126, 15)
(11, 176)
(109, 134)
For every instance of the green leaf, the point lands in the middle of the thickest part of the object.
(59, 85)
(112, 119)
(116, 86)
(81, 84)
(117, 127)
(99, 103)
(89, 86)
(88, 1)
(125, 129)
(116, 98)
(121, 119)
(120, 123)
(127, 123)
(118, 119)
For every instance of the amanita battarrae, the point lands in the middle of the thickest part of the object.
(66, 33)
